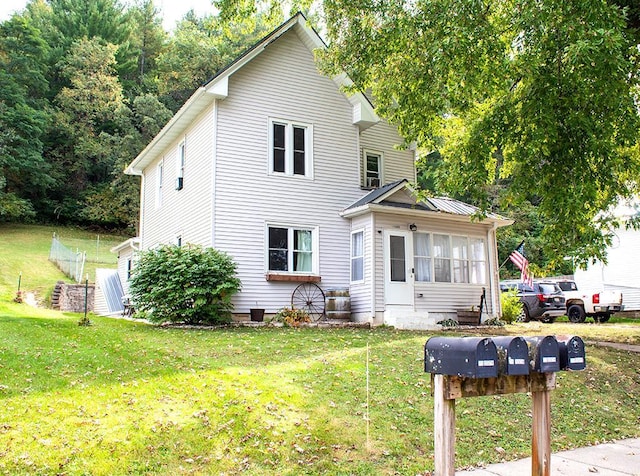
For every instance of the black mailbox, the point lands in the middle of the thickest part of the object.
(513, 355)
(544, 354)
(572, 354)
(463, 356)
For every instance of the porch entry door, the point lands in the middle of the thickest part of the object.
(398, 268)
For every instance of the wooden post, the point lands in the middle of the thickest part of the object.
(444, 429)
(541, 433)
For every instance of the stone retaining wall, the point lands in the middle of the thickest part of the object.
(72, 297)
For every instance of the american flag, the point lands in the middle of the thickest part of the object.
(517, 257)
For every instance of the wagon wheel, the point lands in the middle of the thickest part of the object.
(309, 297)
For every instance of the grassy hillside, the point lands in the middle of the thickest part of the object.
(25, 249)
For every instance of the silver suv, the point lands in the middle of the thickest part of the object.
(544, 301)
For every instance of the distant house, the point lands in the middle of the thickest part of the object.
(622, 270)
(299, 182)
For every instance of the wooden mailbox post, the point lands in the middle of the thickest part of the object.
(473, 367)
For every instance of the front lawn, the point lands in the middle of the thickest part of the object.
(122, 397)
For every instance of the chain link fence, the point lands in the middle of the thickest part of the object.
(71, 263)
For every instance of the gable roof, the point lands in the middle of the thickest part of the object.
(381, 199)
(218, 88)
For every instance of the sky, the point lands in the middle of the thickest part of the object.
(170, 10)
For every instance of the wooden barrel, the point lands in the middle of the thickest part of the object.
(338, 303)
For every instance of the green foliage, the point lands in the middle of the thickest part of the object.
(189, 284)
(292, 317)
(511, 305)
(501, 90)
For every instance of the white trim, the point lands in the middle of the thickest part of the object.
(288, 137)
(351, 257)
(159, 183)
(365, 180)
(315, 247)
(214, 175)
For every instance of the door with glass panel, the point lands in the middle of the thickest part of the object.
(398, 268)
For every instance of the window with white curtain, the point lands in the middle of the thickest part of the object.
(441, 258)
(422, 257)
(460, 259)
(449, 259)
(291, 249)
(478, 261)
(357, 256)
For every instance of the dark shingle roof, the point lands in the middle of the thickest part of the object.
(433, 204)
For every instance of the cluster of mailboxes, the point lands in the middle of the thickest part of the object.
(486, 357)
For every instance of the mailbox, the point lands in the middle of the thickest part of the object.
(544, 354)
(572, 354)
(513, 355)
(463, 356)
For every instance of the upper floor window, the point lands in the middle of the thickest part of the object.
(182, 152)
(159, 182)
(372, 169)
(357, 256)
(290, 148)
(292, 249)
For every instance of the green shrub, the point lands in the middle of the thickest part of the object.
(511, 305)
(189, 284)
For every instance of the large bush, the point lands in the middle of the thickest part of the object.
(189, 284)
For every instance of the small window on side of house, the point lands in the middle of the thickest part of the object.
(159, 183)
(182, 151)
(372, 169)
(357, 256)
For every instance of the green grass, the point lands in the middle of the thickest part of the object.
(25, 249)
(121, 397)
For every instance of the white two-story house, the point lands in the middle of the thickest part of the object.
(299, 182)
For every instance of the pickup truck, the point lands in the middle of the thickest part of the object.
(599, 305)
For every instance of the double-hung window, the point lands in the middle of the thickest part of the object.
(372, 169)
(159, 183)
(478, 263)
(357, 256)
(460, 259)
(422, 256)
(292, 249)
(182, 151)
(441, 258)
(290, 148)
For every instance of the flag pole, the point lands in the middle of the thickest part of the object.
(505, 261)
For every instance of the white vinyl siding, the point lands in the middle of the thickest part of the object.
(190, 209)
(277, 85)
(435, 297)
(397, 163)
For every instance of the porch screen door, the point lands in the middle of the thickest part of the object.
(398, 268)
